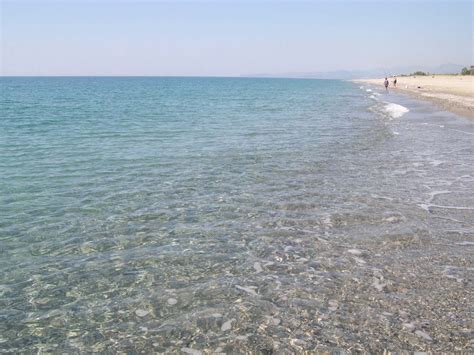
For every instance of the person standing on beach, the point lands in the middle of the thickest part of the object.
(386, 84)
(395, 82)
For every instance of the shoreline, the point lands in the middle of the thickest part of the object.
(454, 93)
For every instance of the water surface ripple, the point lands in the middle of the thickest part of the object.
(231, 215)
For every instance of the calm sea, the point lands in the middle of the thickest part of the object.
(230, 215)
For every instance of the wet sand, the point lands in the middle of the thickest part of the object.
(453, 93)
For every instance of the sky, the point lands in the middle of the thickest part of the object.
(229, 37)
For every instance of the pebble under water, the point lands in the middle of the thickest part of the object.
(203, 215)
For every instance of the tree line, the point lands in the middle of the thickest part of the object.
(464, 71)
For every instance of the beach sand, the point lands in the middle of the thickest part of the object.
(454, 93)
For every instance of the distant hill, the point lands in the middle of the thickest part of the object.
(448, 68)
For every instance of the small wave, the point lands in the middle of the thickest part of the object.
(436, 162)
(427, 207)
(361, 87)
(395, 110)
(368, 90)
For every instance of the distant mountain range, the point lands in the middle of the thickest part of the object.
(448, 68)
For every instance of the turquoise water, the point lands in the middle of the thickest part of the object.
(216, 214)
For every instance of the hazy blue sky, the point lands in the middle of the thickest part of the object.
(106, 37)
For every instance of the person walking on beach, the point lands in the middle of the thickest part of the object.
(386, 84)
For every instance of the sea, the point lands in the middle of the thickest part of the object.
(231, 215)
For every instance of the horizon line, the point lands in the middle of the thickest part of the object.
(257, 76)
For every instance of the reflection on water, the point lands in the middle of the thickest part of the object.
(231, 215)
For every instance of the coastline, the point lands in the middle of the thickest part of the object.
(454, 93)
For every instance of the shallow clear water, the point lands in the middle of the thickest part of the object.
(206, 214)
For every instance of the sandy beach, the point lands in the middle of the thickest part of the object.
(451, 92)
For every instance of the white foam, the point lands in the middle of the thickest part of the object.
(454, 207)
(427, 207)
(396, 111)
(433, 194)
(436, 162)
(368, 90)
(361, 87)
(467, 243)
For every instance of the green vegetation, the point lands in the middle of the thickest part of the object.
(466, 71)
(419, 73)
